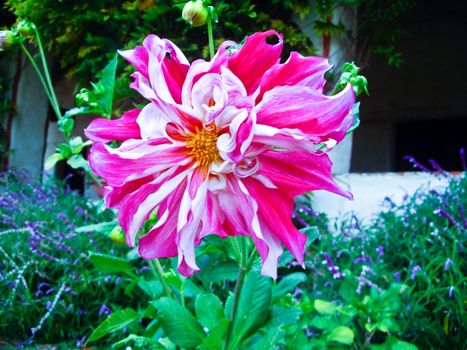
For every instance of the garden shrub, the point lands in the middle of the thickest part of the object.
(416, 247)
(393, 283)
(48, 293)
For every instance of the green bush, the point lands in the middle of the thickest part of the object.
(48, 292)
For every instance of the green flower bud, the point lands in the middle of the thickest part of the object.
(7, 39)
(117, 235)
(26, 28)
(195, 13)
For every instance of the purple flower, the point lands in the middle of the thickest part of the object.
(363, 259)
(380, 251)
(416, 269)
(447, 263)
(104, 310)
(451, 292)
(80, 342)
(334, 270)
(397, 276)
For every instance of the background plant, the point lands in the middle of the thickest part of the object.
(48, 294)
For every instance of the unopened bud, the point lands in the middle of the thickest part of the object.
(26, 28)
(195, 13)
(117, 235)
(7, 39)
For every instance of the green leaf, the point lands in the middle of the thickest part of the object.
(66, 125)
(219, 273)
(288, 283)
(111, 264)
(342, 335)
(324, 307)
(398, 344)
(136, 342)
(356, 115)
(152, 288)
(178, 323)
(107, 80)
(77, 161)
(312, 234)
(281, 316)
(77, 144)
(102, 228)
(65, 150)
(214, 340)
(52, 160)
(209, 310)
(271, 339)
(80, 111)
(253, 307)
(114, 322)
(323, 322)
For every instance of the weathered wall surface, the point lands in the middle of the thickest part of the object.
(29, 123)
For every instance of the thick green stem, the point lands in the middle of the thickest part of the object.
(46, 72)
(157, 270)
(41, 79)
(210, 37)
(238, 290)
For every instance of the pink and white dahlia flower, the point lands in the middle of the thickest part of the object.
(222, 147)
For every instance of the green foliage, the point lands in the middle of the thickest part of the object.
(179, 324)
(114, 322)
(46, 275)
(376, 301)
(89, 34)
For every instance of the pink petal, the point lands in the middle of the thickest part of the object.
(275, 217)
(254, 58)
(135, 160)
(136, 208)
(138, 58)
(161, 65)
(188, 235)
(269, 249)
(160, 242)
(297, 70)
(201, 67)
(298, 107)
(114, 195)
(104, 130)
(296, 173)
(287, 139)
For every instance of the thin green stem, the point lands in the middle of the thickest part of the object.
(157, 270)
(94, 177)
(210, 37)
(41, 78)
(238, 290)
(46, 72)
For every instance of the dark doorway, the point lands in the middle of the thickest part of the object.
(439, 139)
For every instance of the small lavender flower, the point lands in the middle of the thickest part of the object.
(104, 310)
(380, 251)
(80, 342)
(416, 269)
(451, 292)
(363, 259)
(445, 214)
(416, 164)
(397, 276)
(447, 263)
(334, 270)
(462, 158)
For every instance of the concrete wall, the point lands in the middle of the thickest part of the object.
(29, 123)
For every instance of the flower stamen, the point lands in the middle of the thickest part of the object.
(202, 145)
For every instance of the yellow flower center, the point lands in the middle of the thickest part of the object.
(202, 146)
